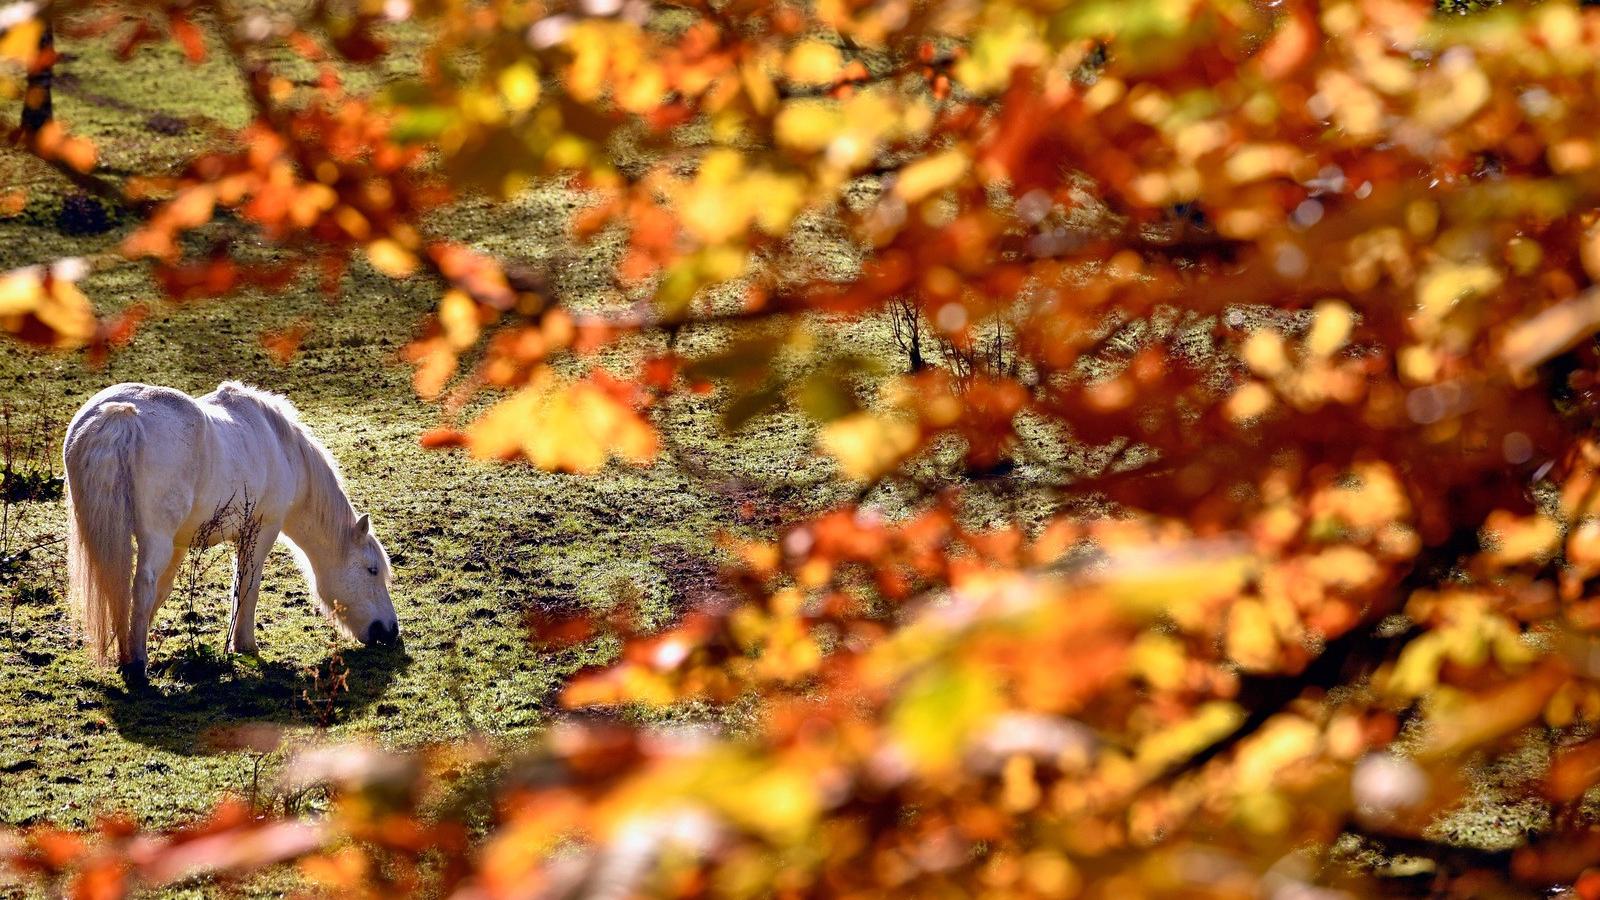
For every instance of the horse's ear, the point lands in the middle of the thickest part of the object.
(364, 525)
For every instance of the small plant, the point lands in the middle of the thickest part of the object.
(328, 681)
(988, 355)
(236, 517)
(247, 534)
(907, 321)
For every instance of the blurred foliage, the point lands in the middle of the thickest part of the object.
(1351, 534)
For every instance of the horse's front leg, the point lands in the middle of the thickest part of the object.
(151, 580)
(246, 588)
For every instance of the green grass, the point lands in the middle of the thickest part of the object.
(477, 549)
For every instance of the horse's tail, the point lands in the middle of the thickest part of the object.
(99, 451)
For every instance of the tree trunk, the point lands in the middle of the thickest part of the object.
(37, 109)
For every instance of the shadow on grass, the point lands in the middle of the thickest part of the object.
(190, 710)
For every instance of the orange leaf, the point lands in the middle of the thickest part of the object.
(442, 438)
(284, 343)
(188, 37)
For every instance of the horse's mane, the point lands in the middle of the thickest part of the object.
(330, 506)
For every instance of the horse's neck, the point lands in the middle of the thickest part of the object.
(321, 514)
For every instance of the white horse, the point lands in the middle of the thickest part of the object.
(153, 466)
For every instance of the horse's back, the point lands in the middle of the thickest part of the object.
(159, 415)
(143, 398)
(194, 453)
(255, 417)
(256, 442)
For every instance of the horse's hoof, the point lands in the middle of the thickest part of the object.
(133, 676)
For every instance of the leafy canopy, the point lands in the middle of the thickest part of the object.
(1311, 285)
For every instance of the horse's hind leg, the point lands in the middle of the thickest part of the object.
(247, 588)
(151, 580)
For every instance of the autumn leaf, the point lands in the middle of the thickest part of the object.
(867, 445)
(283, 344)
(572, 427)
(12, 202)
(940, 712)
(1552, 331)
(441, 438)
(931, 174)
(393, 260)
(46, 307)
(813, 62)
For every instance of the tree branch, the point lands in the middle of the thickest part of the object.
(37, 106)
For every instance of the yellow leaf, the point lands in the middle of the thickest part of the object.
(591, 47)
(868, 445)
(20, 291)
(940, 711)
(781, 802)
(813, 62)
(808, 125)
(1444, 287)
(781, 198)
(569, 428)
(1343, 566)
(644, 91)
(758, 87)
(1498, 711)
(1176, 742)
(21, 41)
(393, 260)
(1588, 251)
(1357, 111)
(1511, 540)
(458, 316)
(1263, 352)
(1280, 744)
(995, 52)
(932, 174)
(1179, 581)
(1264, 812)
(519, 85)
(61, 307)
(1250, 400)
(1254, 162)
(716, 207)
(1019, 790)
(436, 365)
(1251, 641)
(67, 312)
(1159, 659)
(1416, 672)
(1452, 92)
(1331, 329)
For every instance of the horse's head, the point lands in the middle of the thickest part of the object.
(357, 588)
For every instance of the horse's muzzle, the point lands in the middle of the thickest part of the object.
(383, 633)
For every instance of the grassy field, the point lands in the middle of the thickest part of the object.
(477, 548)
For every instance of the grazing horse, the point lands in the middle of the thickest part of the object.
(154, 467)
